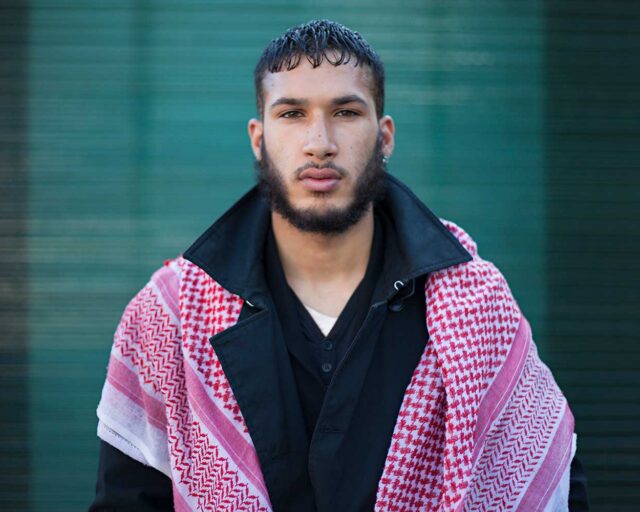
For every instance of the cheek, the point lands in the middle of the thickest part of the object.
(280, 145)
(357, 142)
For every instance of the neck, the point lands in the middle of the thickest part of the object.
(312, 260)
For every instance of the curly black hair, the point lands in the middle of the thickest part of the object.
(317, 41)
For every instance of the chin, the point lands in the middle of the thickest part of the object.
(322, 203)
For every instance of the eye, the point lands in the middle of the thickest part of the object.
(347, 113)
(291, 114)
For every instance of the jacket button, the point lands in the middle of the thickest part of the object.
(327, 367)
(328, 345)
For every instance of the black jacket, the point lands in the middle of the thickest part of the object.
(311, 461)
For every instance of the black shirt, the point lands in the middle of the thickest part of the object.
(351, 412)
(314, 356)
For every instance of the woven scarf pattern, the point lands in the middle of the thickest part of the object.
(482, 426)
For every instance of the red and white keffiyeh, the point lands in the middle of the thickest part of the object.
(482, 427)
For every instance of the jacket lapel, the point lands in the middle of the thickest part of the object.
(255, 361)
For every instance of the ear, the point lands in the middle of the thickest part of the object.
(255, 129)
(388, 130)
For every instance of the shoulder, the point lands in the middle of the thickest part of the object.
(463, 237)
(154, 308)
(193, 299)
(476, 280)
(471, 305)
(175, 279)
(177, 285)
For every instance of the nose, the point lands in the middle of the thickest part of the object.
(319, 142)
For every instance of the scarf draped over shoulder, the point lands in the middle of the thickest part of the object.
(482, 426)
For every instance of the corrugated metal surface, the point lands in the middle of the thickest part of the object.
(593, 211)
(516, 120)
(14, 279)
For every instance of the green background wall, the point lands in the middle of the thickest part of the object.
(123, 136)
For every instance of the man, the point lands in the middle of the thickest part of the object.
(284, 363)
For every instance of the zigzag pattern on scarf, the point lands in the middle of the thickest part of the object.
(527, 430)
(150, 341)
(469, 435)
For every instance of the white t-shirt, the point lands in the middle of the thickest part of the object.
(324, 322)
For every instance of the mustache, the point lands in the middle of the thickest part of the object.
(329, 165)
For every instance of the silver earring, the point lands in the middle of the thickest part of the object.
(385, 159)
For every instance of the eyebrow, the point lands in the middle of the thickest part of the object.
(349, 98)
(301, 102)
(296, 102)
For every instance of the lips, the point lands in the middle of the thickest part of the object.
(320, 174)
(320, 180)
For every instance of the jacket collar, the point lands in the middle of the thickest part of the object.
(231, 250)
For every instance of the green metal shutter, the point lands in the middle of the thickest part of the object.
(516, 120)
(593, 211)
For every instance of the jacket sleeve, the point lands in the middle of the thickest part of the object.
(578, 497)
(124, 484)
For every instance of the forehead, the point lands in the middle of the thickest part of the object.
(325, 81)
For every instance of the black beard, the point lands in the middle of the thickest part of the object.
(369, 187)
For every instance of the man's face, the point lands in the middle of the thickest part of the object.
(320, 145)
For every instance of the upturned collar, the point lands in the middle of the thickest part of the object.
(231, 250)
